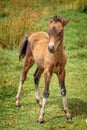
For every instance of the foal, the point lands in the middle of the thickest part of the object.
(47, 51)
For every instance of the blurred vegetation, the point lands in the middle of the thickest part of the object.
(19, 17)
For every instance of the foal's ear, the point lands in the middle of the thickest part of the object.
(50, 20)
(65, 22)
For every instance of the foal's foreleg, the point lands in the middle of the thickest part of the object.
(63, 93)
(37, 76)
(28, 63)
(47, 76)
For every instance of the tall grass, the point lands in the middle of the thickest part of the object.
(27, 16)
(82, 5)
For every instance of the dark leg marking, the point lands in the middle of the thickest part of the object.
(37, 76)
(61, 77)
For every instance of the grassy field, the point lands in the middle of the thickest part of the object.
(30, 17)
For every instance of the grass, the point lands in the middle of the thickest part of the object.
(23, 16)
(25, 118)
(14, 23)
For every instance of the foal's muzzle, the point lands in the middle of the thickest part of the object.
(51, 48)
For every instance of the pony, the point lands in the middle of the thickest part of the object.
(46, 49)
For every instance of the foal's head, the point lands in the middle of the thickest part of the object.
(56, 30)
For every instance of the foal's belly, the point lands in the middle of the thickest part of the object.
(38, 56)
(40, 63)
(43, 58)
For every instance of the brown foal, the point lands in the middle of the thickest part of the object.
(47, 51)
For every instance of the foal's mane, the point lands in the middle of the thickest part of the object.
(57, 19)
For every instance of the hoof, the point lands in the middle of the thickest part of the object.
(69, 119)
(40, 121)
(68, 116)
(18, 106)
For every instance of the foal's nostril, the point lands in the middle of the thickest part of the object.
(51, 49)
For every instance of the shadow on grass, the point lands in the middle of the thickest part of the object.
(78, 107)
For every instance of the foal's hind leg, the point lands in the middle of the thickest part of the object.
(37, 76)
(28, 63)
(61, 76)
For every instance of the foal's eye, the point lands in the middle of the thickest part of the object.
(60, 33)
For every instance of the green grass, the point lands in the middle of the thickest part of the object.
(25, 117)
(29, 17)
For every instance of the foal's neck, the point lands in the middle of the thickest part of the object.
(60, 47)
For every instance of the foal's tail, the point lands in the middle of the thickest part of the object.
(23, 47)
